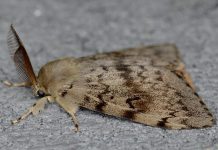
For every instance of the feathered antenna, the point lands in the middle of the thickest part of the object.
(20, 57)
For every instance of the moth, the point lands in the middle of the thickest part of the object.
(148, 85)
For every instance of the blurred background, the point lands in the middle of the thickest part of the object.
(51, 29)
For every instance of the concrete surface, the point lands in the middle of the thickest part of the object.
(55, 28)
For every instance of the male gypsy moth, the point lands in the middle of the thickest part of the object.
(148, 85)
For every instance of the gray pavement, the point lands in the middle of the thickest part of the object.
(57, 28)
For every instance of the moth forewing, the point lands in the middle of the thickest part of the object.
(20, 58)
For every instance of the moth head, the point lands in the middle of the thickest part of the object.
(22, 62)
(39, 91)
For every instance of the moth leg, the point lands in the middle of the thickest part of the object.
(71, 109)
(34, 110)
(22, 84)
(75, 121)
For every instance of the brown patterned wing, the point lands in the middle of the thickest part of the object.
(133, 87)
(166, 55)
(20, 57)
(162, 55)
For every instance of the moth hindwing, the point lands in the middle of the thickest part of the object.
(148, 85)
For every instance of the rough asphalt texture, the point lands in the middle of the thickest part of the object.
(54, 28)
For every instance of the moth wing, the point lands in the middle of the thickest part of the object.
(150, 95)
(166, 55)
(162, 55)
(133, 87)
